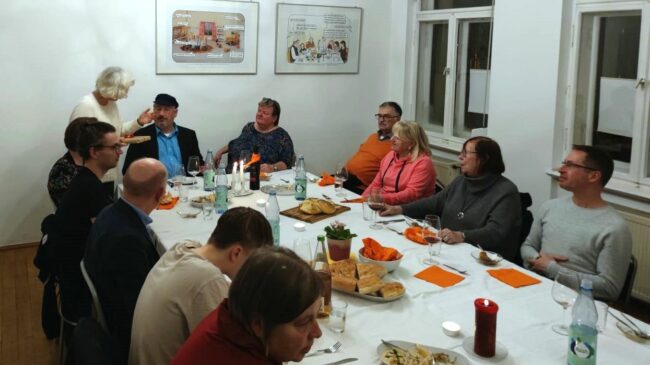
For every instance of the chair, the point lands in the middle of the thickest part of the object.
(91, 344)
(63, 340)
(526, 222)
(439, 186)
(626, 291)
(93, 293)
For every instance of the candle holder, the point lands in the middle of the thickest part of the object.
(235, 183)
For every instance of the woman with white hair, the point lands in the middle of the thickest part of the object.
(406, 173)
(112, 84)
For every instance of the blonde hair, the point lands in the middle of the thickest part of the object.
(114, 83)
(413, 132)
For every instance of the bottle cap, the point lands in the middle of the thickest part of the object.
(586, 284)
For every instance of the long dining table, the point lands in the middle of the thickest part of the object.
(525, 314)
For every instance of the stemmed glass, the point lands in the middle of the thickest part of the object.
(194, 167)
(245, 156)
(430, 233)
(564, 292)
(376, 203)
(340, 176)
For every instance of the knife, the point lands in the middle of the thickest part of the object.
(391, 221)
(327, 197)
(344, 361)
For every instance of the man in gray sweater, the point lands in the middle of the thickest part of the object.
(582, 233)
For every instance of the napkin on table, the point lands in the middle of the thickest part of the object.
(326, 180)
(169, 205)
(513, 277)
(438, 276)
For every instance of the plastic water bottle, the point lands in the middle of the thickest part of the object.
(221, 201)
(273, 216)
(583, 333)
(301, 179)
(208, 173)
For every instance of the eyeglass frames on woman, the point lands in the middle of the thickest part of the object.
(571, 164)
(465, 152)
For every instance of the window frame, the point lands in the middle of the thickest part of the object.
(635, 182)
(445, 140)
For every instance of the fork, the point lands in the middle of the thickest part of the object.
(640, 334)
(394, 230)
(330, 350)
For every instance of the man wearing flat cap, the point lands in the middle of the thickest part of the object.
(170, 143)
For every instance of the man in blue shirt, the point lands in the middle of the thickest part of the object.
(170, 143)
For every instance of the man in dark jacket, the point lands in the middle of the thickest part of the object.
(170, 143)
(121, 249)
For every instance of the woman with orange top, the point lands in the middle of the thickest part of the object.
(406, 173)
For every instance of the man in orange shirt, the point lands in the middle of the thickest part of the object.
(363, 165)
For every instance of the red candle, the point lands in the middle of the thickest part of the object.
(485, 335)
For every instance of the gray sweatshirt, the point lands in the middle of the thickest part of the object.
(597, 242)
(491, 211)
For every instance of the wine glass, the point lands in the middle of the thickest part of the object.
(376, 203)
(245, 156)
(430, 233)
(564, 292)
(340, 176)
(194, 167)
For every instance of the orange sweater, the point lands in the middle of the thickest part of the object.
(365, 163)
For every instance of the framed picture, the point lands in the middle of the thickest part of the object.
(206, 37)
(317, 39)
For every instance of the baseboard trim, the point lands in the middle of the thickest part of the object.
(18, 246)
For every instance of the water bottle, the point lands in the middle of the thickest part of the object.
(273, 216)
(208, 173)
(301, 179)
(221, 201)
(583, 334)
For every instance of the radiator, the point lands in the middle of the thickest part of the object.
(446, 170)
(639, 225)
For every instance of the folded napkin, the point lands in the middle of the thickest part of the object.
(169, 205)
(326, 180)
(513, 277)
(438, 276)
(375, 251)
(356, 200)
(415, 234)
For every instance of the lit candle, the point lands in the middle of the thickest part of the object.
(485, 335)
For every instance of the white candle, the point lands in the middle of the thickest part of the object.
(234, 171)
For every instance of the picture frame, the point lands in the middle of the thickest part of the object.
(206, 37)
(317, 39)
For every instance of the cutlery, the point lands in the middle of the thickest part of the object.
(631, 322)
(392, 345)
(330, 350)
(413, 222)
(395, 230)
(326, 197)
(286, 181)
(344, 361)
(464, 272)
(637, 330)
(391, 221)
(640, 334)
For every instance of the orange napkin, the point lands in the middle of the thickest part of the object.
(415, 234)
(355, 200)
(326, 180)
(512, 277)
(374, 250)
(168, 206)
(439, 276)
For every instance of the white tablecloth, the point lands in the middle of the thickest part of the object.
(524, 319)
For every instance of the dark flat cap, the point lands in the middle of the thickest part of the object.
(166, 99)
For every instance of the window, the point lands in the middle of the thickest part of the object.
(451, 79)
(609, 67)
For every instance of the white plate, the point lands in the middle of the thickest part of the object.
(196, 203)
(494, 257)
(372, 298)
(500, 351)
(188, 212)
(459, 359)
(280, 189)
(187, 180)
(242, 193)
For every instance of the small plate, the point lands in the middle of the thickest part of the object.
(629, 333)
(197, 202)
(500, 351)
(457, 358)
(188, 213)
(280, 189)
(242, 193)
(187, 180)
(495, 258)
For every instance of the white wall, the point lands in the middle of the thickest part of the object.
(55, 49)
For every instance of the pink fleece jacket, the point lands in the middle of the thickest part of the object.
(417, 180)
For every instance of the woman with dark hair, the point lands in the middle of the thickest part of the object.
(480, 207)
(274, 143)
(66, 167)
(99, 148)
(269, 317)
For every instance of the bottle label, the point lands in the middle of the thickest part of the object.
(301, 189)
(582, 345)
(208, 180)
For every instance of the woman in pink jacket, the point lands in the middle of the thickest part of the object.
(406, 173)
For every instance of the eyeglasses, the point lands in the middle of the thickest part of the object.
(465, 152)
(571, 164)
(385, 116)
(116, 147)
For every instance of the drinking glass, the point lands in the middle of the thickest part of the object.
(376, 203)
(340, 176)
(430, 235)
(302, 248)
(194, 167)
(564, 292)
(208, 208)
(338, 315)
(245, 156)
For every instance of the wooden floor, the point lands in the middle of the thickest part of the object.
(21, 338)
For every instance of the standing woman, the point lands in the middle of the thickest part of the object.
(480, 206)
(406, 173)
(111, 85)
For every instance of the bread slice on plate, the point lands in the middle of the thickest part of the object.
(343, 283)
(326, 206)
(345, 268)
(369, 284)
(370, 269)
(391, 290)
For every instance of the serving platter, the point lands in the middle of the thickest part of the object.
(372, 298)
(457, 359)
(280, 189)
